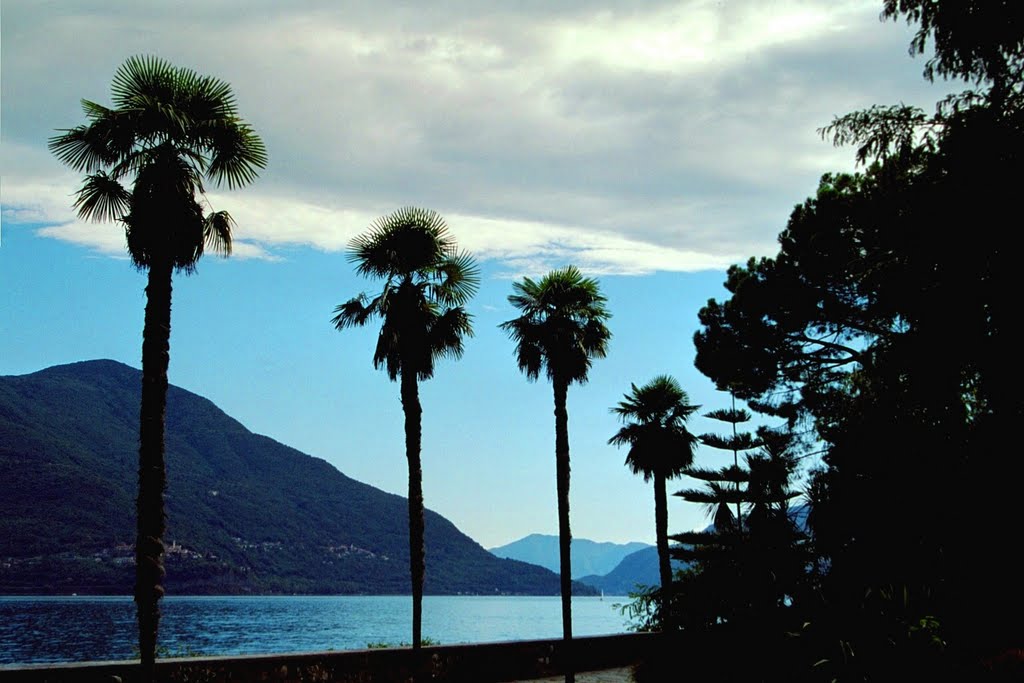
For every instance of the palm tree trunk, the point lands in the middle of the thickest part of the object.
(417, 553)
(561, 389)
(149, 545)
(661, 532)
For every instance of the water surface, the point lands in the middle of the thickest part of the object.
(68, 629)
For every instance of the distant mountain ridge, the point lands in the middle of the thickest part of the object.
(636, 569)
(641, 568)
(587, 557)
(246, 514)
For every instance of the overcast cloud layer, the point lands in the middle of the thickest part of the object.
(624, 137)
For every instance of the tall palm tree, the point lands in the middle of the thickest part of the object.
(169, 129)
(561, 331)
(426, 283)
(660, 447)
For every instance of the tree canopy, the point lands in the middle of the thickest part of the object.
(168, 130)
(883, 324)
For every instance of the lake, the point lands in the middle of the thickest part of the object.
(67, 629)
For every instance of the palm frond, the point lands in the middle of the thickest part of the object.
(458, 279)
(426, 281)
(561, 326)
(628, 434)
(85, 148)
(408, 241)
(526, 298)
(529, 352)
(355, 312)
(217, 232)
(447, 332)
(206, 98)
(654, 418)
(101, 198)
(143, 76)
(157, 138)
(236, 152)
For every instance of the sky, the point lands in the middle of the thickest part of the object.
(652, 144)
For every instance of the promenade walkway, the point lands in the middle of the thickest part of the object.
(608, 656)
(620, 675)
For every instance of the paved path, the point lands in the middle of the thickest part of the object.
(623, 675)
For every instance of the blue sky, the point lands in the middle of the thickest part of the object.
(651, 144)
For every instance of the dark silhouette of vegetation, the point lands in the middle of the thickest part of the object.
(735, 442)
(660, 448)
(426, 283)
(884, 323)
(169, 129)
(561, 331)
(747, 564)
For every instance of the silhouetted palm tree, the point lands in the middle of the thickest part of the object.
(660, 447)
(169, 129)
(426, 283)
(561, 330)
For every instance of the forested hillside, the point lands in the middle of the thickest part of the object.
(246, 514)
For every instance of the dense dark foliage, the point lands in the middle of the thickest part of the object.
(749, 565)
(246, 513)
(884, 323)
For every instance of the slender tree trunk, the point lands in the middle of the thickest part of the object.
(561, 388)
(149, 544)
(736, 463)
(417, 553)
(664, 564)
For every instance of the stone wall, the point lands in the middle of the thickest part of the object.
(478, 663)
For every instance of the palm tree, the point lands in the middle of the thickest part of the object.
(426, 283)
(561, 330)
(660, 447)
(169, 129)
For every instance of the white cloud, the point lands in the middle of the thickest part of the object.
(630, 137)
(695, 35)
(106, 238)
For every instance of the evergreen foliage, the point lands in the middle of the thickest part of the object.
(749, 564)
(884, 324)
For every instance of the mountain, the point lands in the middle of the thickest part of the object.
(246, 514)
(639, 568)
(588, 557)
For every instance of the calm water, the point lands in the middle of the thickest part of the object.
(63, 629)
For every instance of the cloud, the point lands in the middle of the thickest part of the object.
(630, 137)
(106, 238)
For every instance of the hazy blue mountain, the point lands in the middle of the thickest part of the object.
(636, 568)
(641, 567)
(246, 514)
(588, 557)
